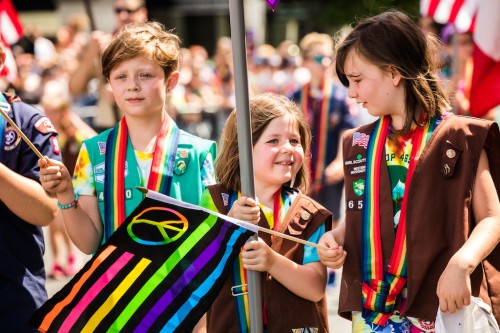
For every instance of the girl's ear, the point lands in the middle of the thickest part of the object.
(172, 81)
(395, 74)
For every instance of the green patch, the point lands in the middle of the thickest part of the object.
(359, 187)
(181, 164)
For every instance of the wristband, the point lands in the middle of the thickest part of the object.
(70, 205)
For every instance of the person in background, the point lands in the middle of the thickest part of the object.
(323, 101)
(22, 272)
(223, 82)
(410, 248)
(72, 131)
(293, 279)
(458, 47)
(194, 99)
(429, 26)
(106, 113)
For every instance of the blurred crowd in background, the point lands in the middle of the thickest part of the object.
(205, 94)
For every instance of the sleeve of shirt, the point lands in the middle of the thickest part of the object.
(42, 134)
(207, 202)
(83, 177)
(310, 252)
(207, 171)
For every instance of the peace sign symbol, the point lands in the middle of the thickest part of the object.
(172, 226)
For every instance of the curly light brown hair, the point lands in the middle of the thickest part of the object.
(143, 39)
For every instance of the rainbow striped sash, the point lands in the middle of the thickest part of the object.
(380, 290)
(322, 128)
(119, 150)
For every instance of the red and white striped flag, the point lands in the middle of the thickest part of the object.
(485, 85)
(482, 17)
(11, 31)
(459, 12)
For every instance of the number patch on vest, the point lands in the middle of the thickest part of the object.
(354, 205)
(128, 194)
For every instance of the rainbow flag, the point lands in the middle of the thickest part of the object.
(158, 272)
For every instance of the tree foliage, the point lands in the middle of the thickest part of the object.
(333, 14)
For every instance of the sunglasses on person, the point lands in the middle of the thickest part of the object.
(322, 60)
(128, 11)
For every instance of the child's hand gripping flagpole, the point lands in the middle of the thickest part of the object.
(18, 130)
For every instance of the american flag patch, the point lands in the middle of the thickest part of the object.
(225, 199)
(360, 139)
(102, 147)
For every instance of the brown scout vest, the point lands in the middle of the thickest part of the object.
(285, 310)
(439, 214)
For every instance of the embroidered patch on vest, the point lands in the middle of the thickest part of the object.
(360, 139)
(355, 165)
(181, 162)
(12, 139)
(225, 199)
(359, 187)
(99, 173)
(102, 147)
(44, 125)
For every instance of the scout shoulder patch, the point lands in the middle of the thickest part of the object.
(12, 139)
(56, 149)
(44, 126)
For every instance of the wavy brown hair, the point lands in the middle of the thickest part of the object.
(393, 39)
(263, 109)
(143, 39)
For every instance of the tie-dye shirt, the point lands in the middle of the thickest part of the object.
(83, 178)
(398, 152)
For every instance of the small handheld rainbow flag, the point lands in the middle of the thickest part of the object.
(158, 272)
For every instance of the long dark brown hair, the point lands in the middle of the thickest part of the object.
(393, 39)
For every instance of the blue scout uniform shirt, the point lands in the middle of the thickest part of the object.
(22, 273)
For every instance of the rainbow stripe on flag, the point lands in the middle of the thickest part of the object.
(159, 272)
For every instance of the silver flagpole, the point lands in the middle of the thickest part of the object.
(245, 144)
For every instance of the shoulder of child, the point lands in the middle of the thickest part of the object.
(311, 205)
(200, 143)
(101, 137)
(196, 139)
